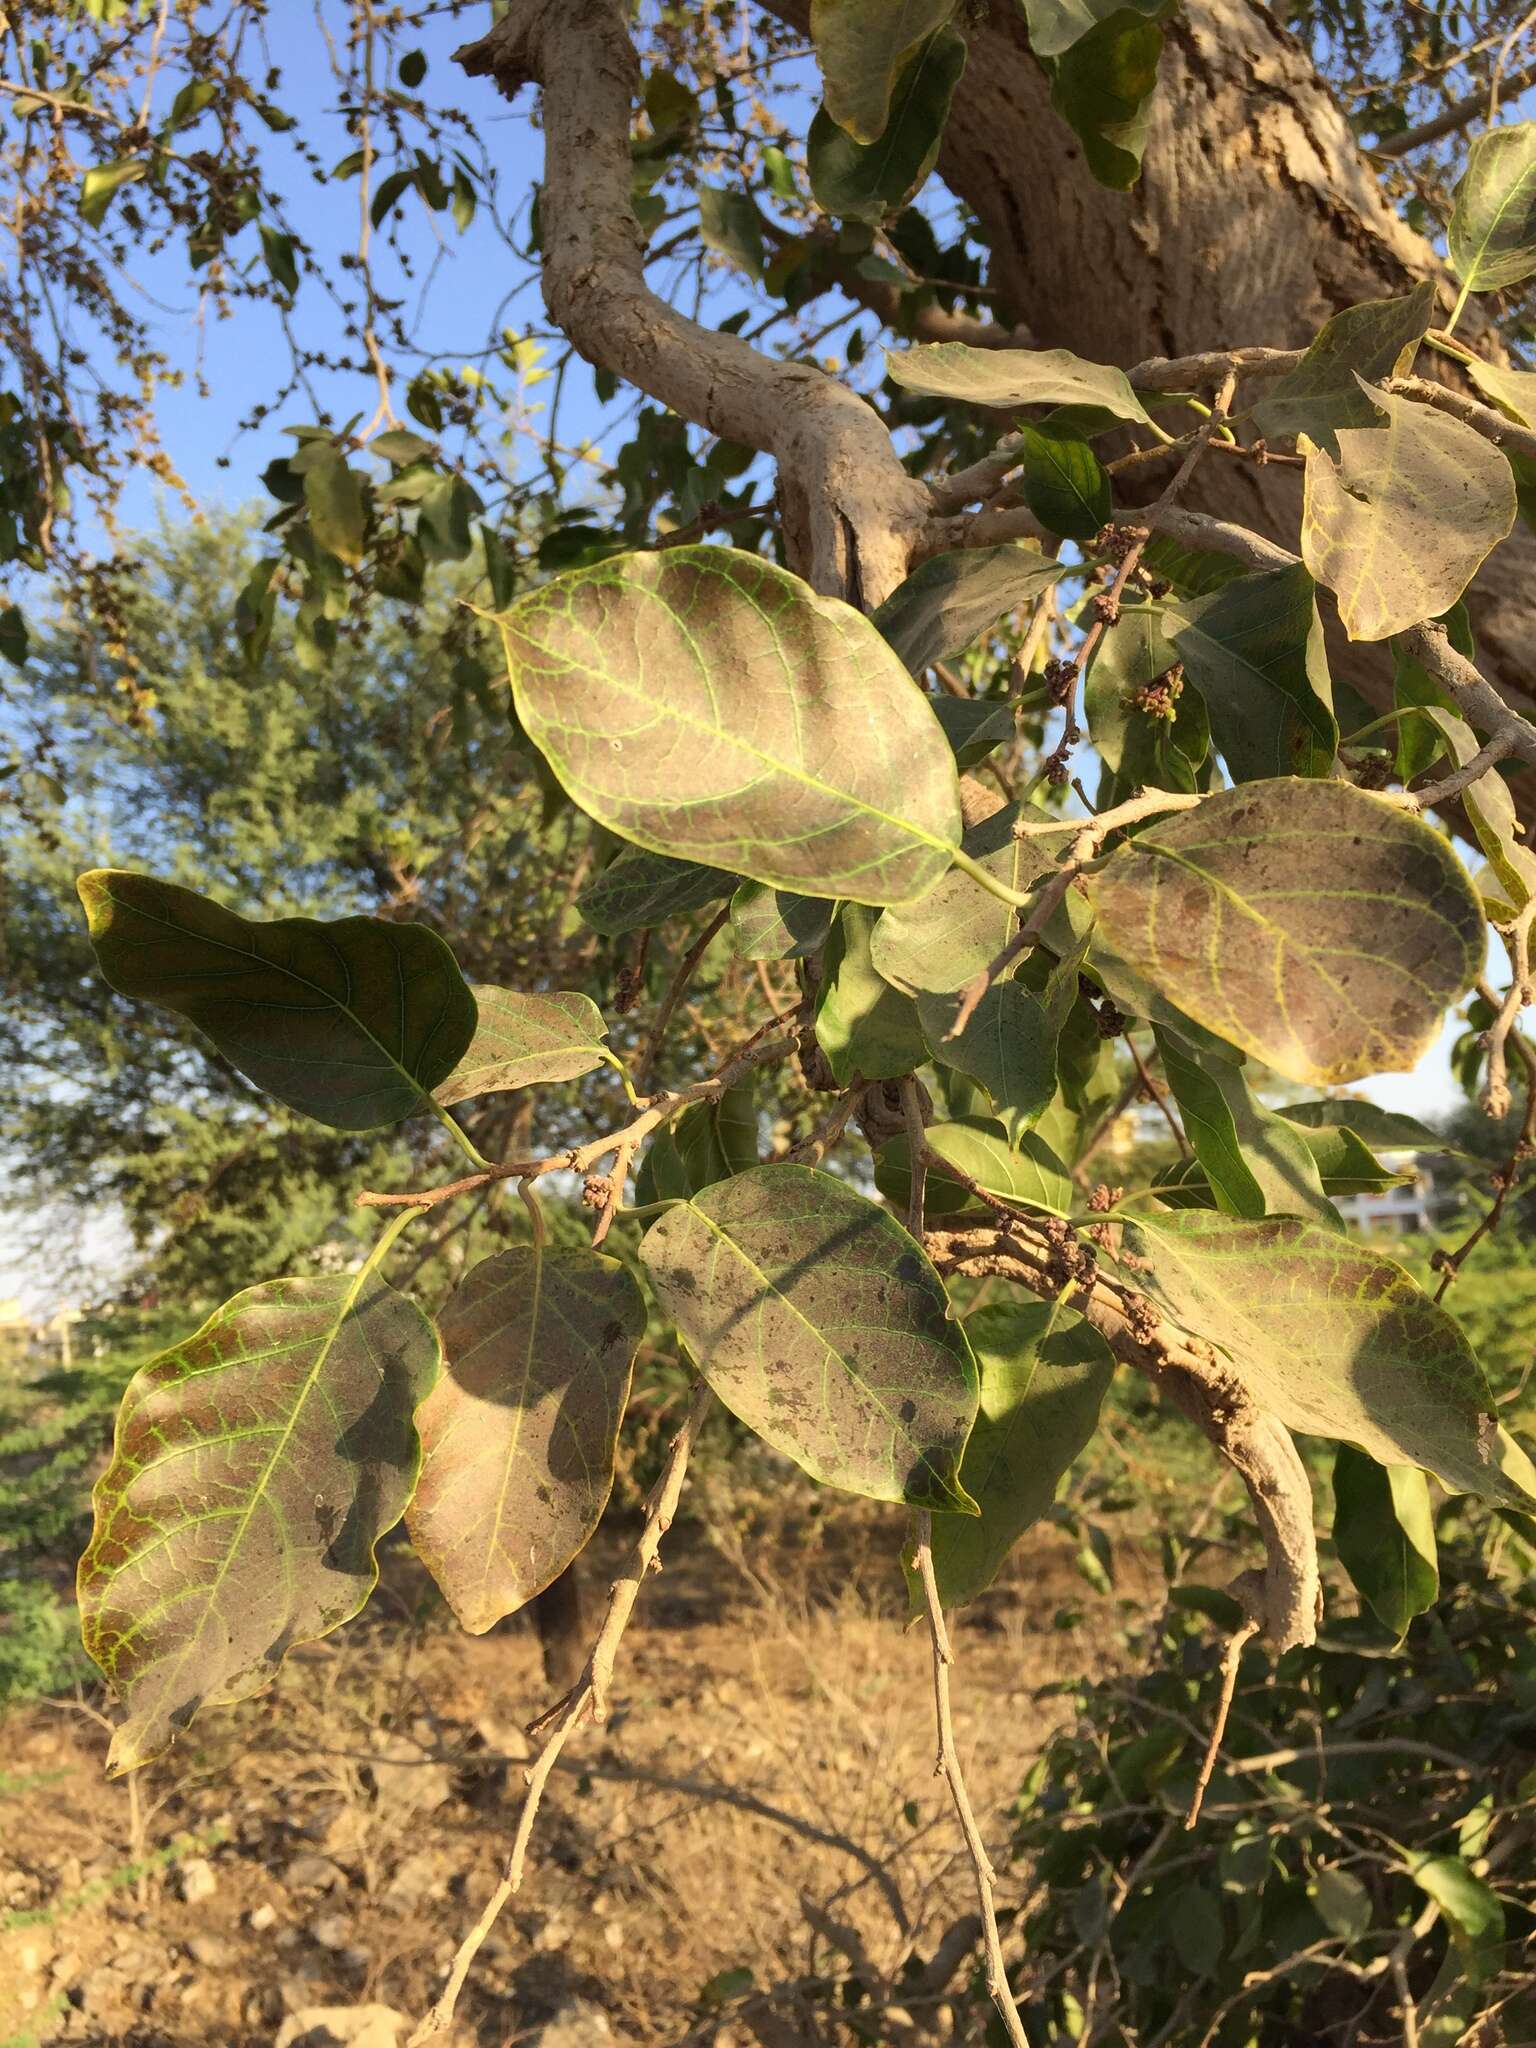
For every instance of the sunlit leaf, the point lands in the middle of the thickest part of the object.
(1255, 650)
(1023, 1169)
(951, 600)
(773, 924)
(818, 1321)
(1383, 1128)
(521, 1040)
(1331, 1337)
(518, 1435)
(1512, 391)
(1256, 1163)
(1472, 1909)
(1401, 524)
(856, 180)
(1323, 930)
(1055, 25)
(641, 890)
(1492, 236)
(1007, 377)
(102, 182)
(256, 1466)
(710, 706)
(1102, 87)
(945, 938)
(352, 1022)
(1384, 1532)
(333, 497)
(1065, 484)
(862, 46)
(1488, 801)
(1373, 341)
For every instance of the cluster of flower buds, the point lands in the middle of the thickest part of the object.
(1160, 697)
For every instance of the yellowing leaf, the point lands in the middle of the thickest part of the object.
(521, 1040)
(861, 46)
(1008, 377)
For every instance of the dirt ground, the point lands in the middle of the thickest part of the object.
(753, 1850)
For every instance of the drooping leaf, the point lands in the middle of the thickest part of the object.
(1019, 1169)
(1316, 927)
(102, 182)
(278, 253)
(1008, 377)
(945, 938)
(1439, 727)
(861, 46)
(1255, 650)
(1374, 341)
(518, 1436)
(856, 180)
(729, 223)
(821, 1324)
(1065, 484)
(772, 924)
(1400, 525)
(712, 707)
(951, 600)
(352, 1022)
(521, 1040)
(255, 1468)
(1044, 1374)
(708, 1141)
(1009, 1047)
(1472, 1909)
(333, 497)
(1381, 1128)
(1331, 1337)
(863, 1024)
(1256, 1163)
(640, 890)
(1492, 236)
(1055, 25)
(1344, 1163)
(1148, 726)
(1102, 87)
(1384, 1532)
(973, 726)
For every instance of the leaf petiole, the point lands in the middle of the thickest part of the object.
(461, 1137)
(972, 867)
(612, 1059)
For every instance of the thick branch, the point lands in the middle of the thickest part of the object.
(851, 510)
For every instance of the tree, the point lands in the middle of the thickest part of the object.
(783, 729)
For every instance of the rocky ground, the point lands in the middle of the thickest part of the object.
(753, 1850)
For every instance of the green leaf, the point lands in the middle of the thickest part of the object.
(862, 46)
(1102, 87)
(1400, 526)
(1009, 1047)
(1383, 1128)
(709, 1141)
(942, 941)
(1044, 1374)
(1512, 391)
(1331, 1337)
(1127, 718)
(1473, 1910)
(255, 1468)
(103, 181)
(14, 640)
(731, 225)
(856, 180)
(641, 890)
(519, 1434)
(863, 1024)
(278, 251)
(1384, 1532)
(974, 727)
(521, 1040)
(1344, 1165)
(1256, 1164)
(333, 497)
(1374, 341)
(1255, 649)
(1023, 1169)
(1065, 484)
(712, 707)
(951, 600)
(1343, 1903)
(352, 1022)
(1055, 25)
(821, 1324)
(772, 924)
(1492, 236)
(1004, 378)
(413, 68)
(1318, 928)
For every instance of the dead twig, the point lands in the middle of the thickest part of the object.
(1231, 1657)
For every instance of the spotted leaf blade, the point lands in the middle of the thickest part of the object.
(822, 1325)
(518, 1435)
(255, 1468)
(713, 708)
(521, 1040)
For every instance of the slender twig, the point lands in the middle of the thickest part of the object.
(1449, 1264)
(1231, 1657)
(949, 1766)
(1155, 1094)
(674, 995)
(917, 1154)
(587, 1700)
(1455, 117)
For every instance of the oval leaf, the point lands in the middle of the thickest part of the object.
(518, 1435)
(773, 924)
(951, 600)
(818, 1321)
(1005, 378)
(1318, 928)
(942, 941)
(1373, 341)
(861, 46)
(351, 1022)
(867, 180)
(1384, 1532)
(1023, 1170)
(255, 1468)
(523, 1039)
(712, 707)
(643, 890)
(1492, 238)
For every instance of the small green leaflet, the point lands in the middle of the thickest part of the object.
(1102, 87)
(863, 1024)
(1255, 649)
(951, 600)
(1007, 377)
(641, 890)
(1065, 484)
(1055, 25)
(708, 1141)
(351, 1022)
(1401, 524)
(1023, 1169)
(1044, 1374)
(712, 707)
(1472, 1909)
(333, 497)
(1374, 341)
(865, 181)
(1384, 1532)
(1318, 928)
(518, 1436)
(729, 223)
(1492, 236)
(861, 46)
(524, 1039)
(255, 1468)
(1332, 1338)
(942, 941)
(772, 924)
(102, 182)
(1256, 1163)
(822, 1325)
